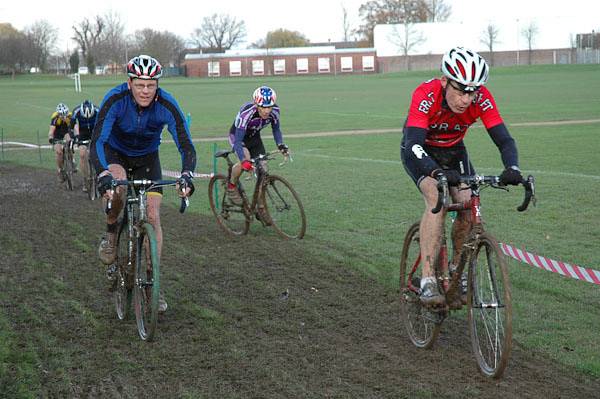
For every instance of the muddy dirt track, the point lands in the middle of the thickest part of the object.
(229, 332)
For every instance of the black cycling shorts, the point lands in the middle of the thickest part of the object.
(255, 145)
(143, 167)
(456, 158)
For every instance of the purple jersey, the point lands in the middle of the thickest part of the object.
(248, 123)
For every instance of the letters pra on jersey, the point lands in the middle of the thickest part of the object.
(445, 128)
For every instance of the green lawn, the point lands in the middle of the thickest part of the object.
(359, 200)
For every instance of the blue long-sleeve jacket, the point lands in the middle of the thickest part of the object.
(136, 131)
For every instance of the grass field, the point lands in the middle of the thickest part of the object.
(360, 202)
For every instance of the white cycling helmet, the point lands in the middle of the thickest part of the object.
(144, 67)
(62, 110)
(465, 67)
(87, 109)
(264, 96)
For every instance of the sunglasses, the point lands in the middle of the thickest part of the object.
(463, 88)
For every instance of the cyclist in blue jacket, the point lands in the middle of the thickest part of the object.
(82, 125)
(127, 136)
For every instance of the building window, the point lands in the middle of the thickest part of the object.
(346, 64)
(278, 67)
(324, 65)
(258, 67)
(302, 65)
(235, 68)
(368, 63)
(214, 69)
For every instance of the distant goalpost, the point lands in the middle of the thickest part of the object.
(77, 78)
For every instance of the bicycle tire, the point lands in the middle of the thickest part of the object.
(123, 291)
(68, 169)
(230, 217)
(422, 324)
(283, 208)
(489, 307)
(146, 289)
(91, 183)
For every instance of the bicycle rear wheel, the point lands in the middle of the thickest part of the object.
(422, 324)
(147, 282)
(231, 218)
(123, 289)
(283, 208)
(489, 307)
(68, 168)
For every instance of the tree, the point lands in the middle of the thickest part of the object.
(219, 32)
(434, 10)
(165, 46)
(285, 38)
(112, 44)
(345, 23)
(43, 38)
(406, 39)
(87, 35)
(529, 33)
(398, 12)
(74, 61)
(15, 49)
(489, 39)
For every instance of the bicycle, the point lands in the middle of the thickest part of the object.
(274, 201)
(68, 162)
(489, 304)
(89, 178)
(137, 265)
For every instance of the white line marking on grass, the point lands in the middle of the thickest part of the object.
(34, 106)
(310, 153)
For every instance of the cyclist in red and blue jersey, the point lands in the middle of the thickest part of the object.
(244, 134)
(441, 112)
(126, 138)
(82, 125)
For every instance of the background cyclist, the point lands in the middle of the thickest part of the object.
(439, 116)
(60, 123)
(127, 136)
(82, 125)
(244, 134)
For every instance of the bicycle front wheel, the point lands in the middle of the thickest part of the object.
(421, 323)
(68, 168)
(147, 282)
(123, 288)
(283, 208)
(91, 183)
(489, 307)
(230, 217)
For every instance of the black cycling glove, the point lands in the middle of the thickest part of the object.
(185, 181)
(105, 183)
(452, 176)
(283, 148)
(511, 175)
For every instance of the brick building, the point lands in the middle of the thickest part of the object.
(316, 60)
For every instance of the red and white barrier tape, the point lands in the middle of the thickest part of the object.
(172, 173)
(566, 269)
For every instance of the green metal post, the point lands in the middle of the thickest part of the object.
(2, 130)
(216, 193)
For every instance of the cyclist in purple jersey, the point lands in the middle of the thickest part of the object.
(244, 134)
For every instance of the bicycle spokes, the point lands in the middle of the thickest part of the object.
(490, 311)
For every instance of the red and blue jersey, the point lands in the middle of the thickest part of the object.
(445, 128)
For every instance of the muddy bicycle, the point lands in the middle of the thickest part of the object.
(68, 162)
(89, 179)
(489, 306)
(274, 201)
(137, 265)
